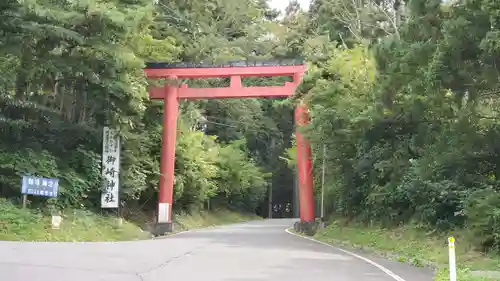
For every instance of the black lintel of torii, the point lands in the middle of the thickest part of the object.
(241, 63)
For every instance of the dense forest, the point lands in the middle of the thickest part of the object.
(69, 68)
(402, 97)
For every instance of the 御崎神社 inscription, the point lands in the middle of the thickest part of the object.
(110, 168)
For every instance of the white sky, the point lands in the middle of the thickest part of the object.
(281, 4)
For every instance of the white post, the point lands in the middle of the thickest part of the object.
(323, 183)
(110, 168)
(453, 266)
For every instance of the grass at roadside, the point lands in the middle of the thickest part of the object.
(411, 245)
(208, 219)
(24, 225)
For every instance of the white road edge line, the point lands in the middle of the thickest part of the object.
(382, 268)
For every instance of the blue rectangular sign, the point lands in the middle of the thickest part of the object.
(39, 186)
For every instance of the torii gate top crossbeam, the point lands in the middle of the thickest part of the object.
(242, 69)
(233, 70)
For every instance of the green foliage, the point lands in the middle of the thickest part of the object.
(244, 187)
(208, 219)
(483, 215)
(410, 120)
(462, 274)
(80, 68)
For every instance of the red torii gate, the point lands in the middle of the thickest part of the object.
(172, 92)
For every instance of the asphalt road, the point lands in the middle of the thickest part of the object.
(254, 251)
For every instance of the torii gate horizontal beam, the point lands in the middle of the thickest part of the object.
(229, 92)
(221, 72)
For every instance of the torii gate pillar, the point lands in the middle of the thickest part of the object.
(304, 168)
(167, 160)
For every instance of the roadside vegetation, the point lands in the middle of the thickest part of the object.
(412, 244)
(405, 104)
(18, 224)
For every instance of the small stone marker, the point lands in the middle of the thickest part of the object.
(56, 222)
